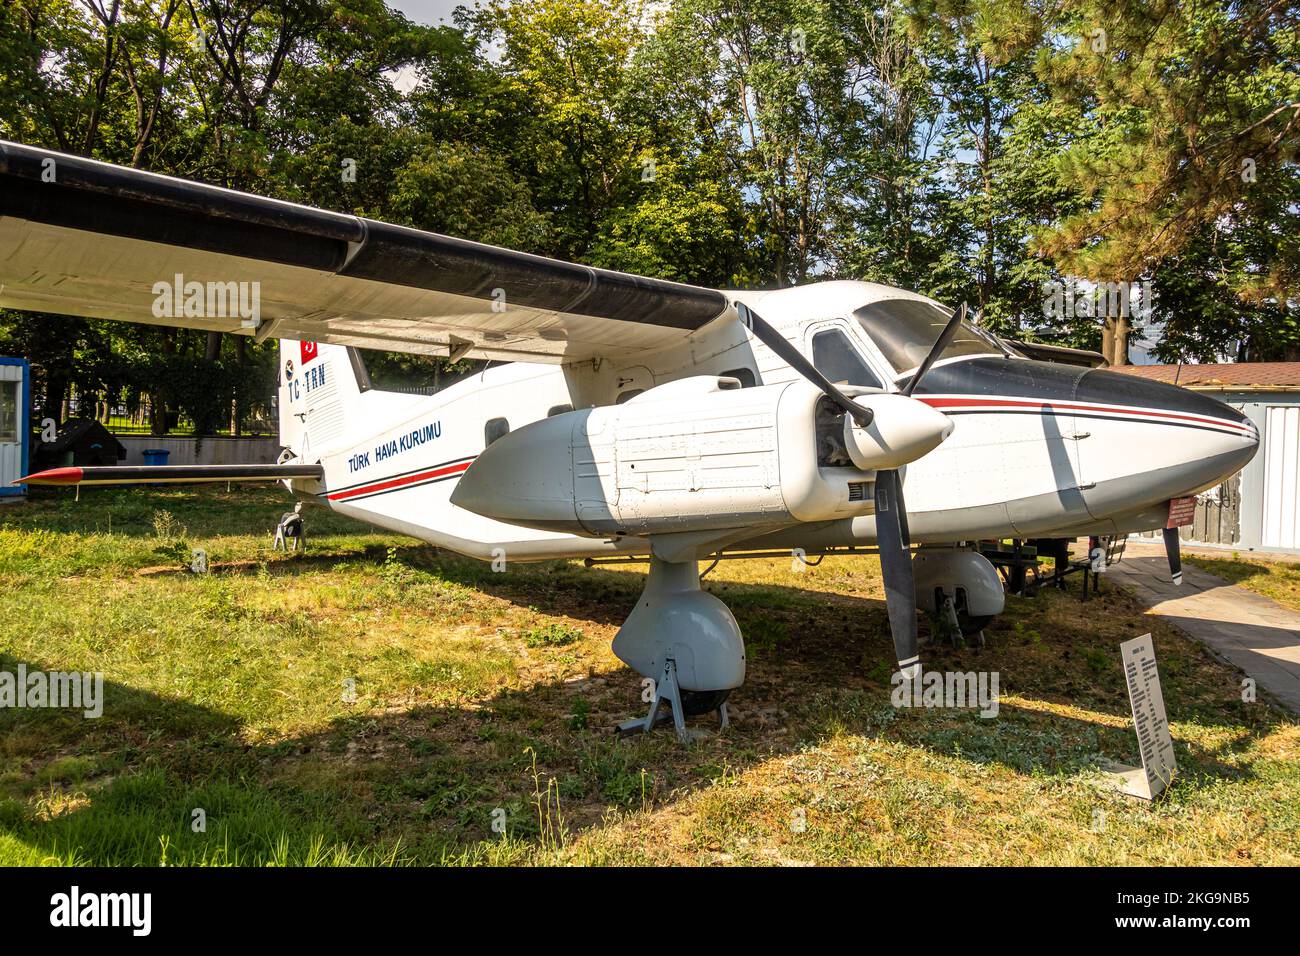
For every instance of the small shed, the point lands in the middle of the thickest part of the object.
(81, 441)
(1255, 510)
(15, 429)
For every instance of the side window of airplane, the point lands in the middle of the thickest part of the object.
(746, 376)
(494, 429)
(408, 374)
(836, 358)
(558, 410)
(628, 395)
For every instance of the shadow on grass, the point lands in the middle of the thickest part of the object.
(205, 510)
(424, 783)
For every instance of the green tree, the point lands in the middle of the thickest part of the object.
(1185, 161)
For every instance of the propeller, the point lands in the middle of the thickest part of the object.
(937, 349)
(784, 350)
(892, 537)
(893, 540)
(1174, 553)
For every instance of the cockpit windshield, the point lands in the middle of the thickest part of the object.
(906, 329)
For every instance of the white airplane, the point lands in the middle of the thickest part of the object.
(632, 416)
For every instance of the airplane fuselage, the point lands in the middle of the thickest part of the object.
(1038, 449)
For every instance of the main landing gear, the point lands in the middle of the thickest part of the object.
(686, 642)
(680, 705)
(960, 590)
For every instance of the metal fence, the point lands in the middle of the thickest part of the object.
(123, 419)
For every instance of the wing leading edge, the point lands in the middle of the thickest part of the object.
(82, 237)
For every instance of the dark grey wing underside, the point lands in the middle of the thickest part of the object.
(88, 238)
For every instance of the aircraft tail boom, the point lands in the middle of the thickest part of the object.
(170, 474)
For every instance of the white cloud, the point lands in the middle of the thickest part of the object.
(428, 11)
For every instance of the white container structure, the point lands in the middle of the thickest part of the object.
(15, 430)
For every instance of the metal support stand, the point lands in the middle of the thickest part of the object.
(947, 624)
(667, 692)
(291, 533)
(1096, 582)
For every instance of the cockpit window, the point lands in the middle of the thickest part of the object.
(906, 329)
(836, 358)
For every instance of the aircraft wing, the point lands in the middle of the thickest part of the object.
(81, 237)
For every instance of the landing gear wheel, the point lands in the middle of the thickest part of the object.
(972, 625)
(696, 702)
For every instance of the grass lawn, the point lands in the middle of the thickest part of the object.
(377, 702)
(1279, 580)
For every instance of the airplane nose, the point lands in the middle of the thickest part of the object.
(1202, 442)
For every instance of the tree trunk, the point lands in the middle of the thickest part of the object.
(56, 387)
(1123, 326)
(241, 352)
(1114, 340)
(158, 398)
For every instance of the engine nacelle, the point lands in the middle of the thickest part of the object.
(696, 454)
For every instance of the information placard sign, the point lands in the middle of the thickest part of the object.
(1149, 722)
(1182, 512)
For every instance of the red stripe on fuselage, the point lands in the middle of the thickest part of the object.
(995, 403)
(393, 483)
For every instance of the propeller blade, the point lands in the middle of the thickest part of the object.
(896, 568)
(902, 510)
(1173, 550)
(936, 350)
(778, 343)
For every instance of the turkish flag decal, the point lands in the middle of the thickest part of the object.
(309, 352)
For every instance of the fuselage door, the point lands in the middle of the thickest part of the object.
(1077, 433)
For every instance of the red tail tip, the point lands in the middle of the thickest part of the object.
(54, 476)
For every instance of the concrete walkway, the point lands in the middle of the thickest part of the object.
(1254, 632)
